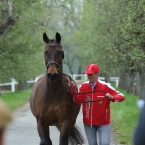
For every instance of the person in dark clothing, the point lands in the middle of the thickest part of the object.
(139, 133)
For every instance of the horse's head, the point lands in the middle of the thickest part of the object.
(53, 55)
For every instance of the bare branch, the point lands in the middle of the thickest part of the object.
(10, 22)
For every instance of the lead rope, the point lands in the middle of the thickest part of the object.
(76, 93)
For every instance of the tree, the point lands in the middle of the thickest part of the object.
(22, 43)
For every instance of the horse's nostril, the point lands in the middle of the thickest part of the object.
(52, 77)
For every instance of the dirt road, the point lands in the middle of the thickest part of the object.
(23, 129)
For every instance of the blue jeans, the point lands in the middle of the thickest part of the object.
(102, 131)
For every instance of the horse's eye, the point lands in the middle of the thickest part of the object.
(60, 52)
(45, 52)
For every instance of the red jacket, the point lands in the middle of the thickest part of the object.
(98, 112)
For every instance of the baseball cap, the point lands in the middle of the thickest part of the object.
(91, 68)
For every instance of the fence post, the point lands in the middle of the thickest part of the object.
(13, 85)
(117, 82)
(74, 76)
(35, 80)
(85, 77)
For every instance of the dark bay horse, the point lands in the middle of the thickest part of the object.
(51, 102)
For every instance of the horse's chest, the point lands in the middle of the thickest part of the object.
(58, 106)
(55, 111)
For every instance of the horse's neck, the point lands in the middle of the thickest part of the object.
(60, 81)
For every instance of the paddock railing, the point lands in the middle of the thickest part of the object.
(76, 77)
(84, 77)
(13, 83)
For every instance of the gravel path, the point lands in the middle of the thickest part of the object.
(22, 130)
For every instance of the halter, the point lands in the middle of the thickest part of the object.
(62, 53)
(54, 45)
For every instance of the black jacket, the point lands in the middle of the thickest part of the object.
(139, 134)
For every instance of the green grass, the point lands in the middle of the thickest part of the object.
(16, 99)
(124, 116)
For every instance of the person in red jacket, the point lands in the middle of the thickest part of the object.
(95, 96)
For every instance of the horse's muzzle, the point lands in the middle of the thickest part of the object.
(52, 77)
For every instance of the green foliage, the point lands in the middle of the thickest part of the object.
(94, 34)
(112, 34)
(131, 47)
(22, 46)
(109, 33)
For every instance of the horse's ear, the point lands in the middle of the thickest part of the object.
(45, 38)
(58, 38)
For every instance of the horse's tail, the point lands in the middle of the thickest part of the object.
(76, 137)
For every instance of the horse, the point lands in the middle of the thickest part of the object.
(51, 102)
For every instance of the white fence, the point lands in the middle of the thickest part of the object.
(83, 77)
(13, 83)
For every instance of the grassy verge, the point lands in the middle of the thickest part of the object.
(124, 116)
(16, 99)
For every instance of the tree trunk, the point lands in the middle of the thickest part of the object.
(123, 80)
(0, 91)
(127, 81)
(10, 20)
(130, 82)
(140, 85)
(107, 78)
(22, 85)
(133, 82)
(79, 72)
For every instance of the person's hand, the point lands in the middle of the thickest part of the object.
(109, 96)
(71, 83)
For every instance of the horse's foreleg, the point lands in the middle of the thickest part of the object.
(64, 133)
(43, 134)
